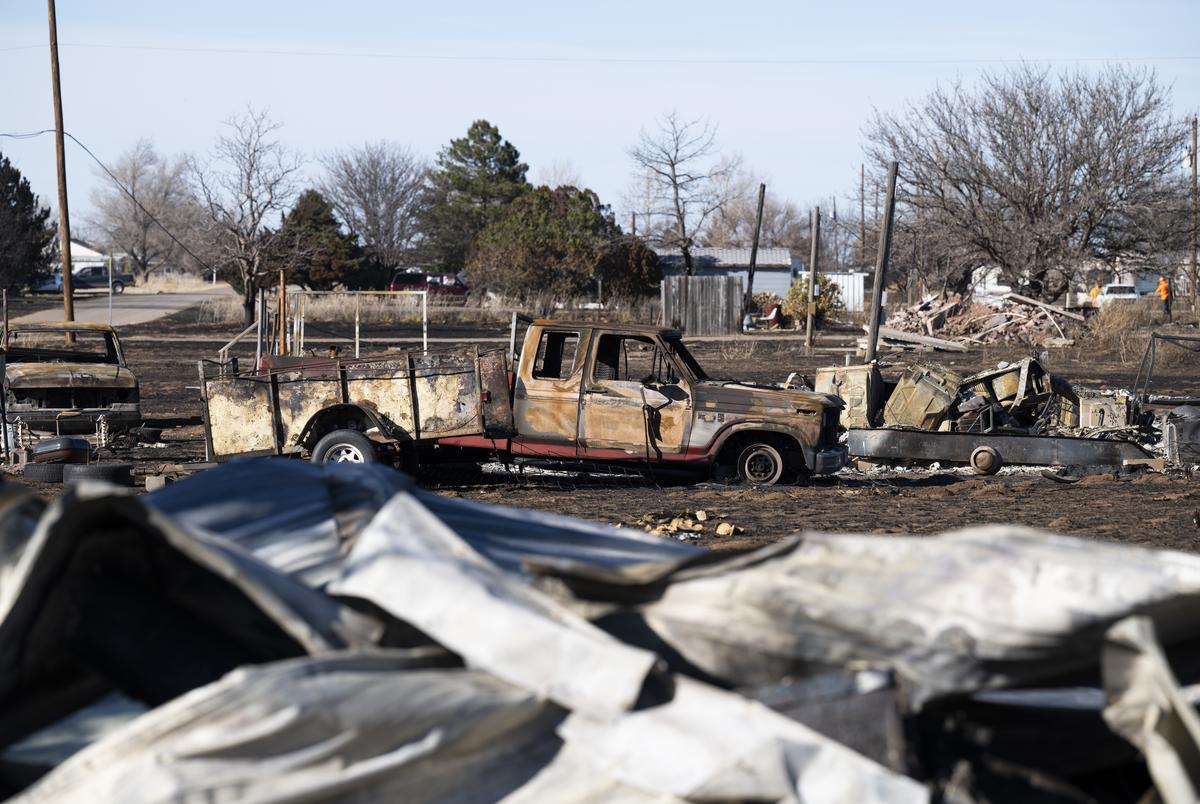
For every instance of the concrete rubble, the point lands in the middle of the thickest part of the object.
(286, 631)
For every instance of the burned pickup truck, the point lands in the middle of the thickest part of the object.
(598, 396)
(68, 378)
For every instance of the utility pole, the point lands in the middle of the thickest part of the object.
(814, 253)
(862, 214)
(881, 262)
(762, 192)
(64, 218)
(633, 224)
(1194, 208)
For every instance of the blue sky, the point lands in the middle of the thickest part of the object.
(790, 84)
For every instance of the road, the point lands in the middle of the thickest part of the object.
(128, 308)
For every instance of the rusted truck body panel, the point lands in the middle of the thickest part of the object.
(633, 394)
(62, 387)
(410, 397)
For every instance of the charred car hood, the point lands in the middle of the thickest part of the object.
(68, 375)
(744, 397)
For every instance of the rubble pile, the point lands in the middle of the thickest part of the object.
(1010, 319)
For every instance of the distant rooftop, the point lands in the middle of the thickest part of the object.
(728, 257)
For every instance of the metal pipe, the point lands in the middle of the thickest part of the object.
(357, 306)
(425, 320)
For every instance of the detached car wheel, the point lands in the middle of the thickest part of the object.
(120, 474)
(344, 446)
(760, 465)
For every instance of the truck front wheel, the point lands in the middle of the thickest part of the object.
(760, 465)
(344, 446)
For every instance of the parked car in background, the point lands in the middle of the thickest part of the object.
(1116, 293)
(89, 277)
(448, 286)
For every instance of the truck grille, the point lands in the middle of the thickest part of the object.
(829, 427)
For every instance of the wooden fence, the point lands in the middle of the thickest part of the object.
(703, 305)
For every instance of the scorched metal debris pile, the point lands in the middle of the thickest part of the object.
(291, 631)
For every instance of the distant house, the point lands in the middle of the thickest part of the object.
(774, 272)
(775, 269)
(84, 256)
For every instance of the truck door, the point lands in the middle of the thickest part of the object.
(634, 399)
(546, 396)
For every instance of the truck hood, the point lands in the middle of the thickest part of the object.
(736, 397)
(68, 375)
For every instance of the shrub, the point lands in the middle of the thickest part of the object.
(828, 299)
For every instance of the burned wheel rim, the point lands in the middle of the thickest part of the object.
(344, 453)
(760, 464)
(985, 460)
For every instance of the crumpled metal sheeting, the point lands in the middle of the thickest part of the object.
(414, 567)
(299, 517)
(381, 727)
(294, 515)
(706, 744)
(1147, 707)
(516, 538)
(969, 610)
(109, 592)
(344, 727)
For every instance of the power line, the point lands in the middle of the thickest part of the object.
(641, 60)
(116, 181)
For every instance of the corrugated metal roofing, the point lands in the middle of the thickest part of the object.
(730, 257)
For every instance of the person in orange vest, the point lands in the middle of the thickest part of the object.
(1164, 293)
(1095, 291)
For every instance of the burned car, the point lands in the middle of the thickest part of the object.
(66, 378)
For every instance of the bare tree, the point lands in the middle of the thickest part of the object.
(249, 181)
(732, 225)
(141, 222)
(1034, 173)
(685, 180)
(376, 191)
(559, 173)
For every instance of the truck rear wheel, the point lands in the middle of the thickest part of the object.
(344, 446)
(760, 465)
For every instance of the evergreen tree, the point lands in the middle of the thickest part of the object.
(474, 179)
(559, 242)
(26, 235)
(313, 249)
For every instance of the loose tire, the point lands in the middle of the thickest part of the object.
(118, 287)
(44, 472)
(119, 474)
(986, 461)
(760, 465)
(344, 446)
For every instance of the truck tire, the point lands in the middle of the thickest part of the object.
(760, 465)
(118, 287)
(119, 474)
(44, 472)
(344, 446)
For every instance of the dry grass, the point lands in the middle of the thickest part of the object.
(171, 283)
(1121, 327)
(381, 309)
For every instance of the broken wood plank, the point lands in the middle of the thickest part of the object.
(923, 340)
(1017, 297)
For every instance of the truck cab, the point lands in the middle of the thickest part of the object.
(615, 393)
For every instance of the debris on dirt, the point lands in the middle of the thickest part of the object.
(1011, 319)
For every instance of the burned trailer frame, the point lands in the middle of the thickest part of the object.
(395, 400)
(1145, 374)
(987, 452)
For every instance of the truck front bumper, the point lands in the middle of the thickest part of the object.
(828, 461)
